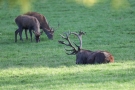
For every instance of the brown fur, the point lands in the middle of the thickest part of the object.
(43, 23)
(93, 57)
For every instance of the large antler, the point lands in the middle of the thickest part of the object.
(73, 50)
(79, 37)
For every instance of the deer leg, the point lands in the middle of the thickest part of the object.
(16, 32)
(20, 33)
(26, 34)
(30, 31)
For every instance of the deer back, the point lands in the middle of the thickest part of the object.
(42, 20)
(93, 57)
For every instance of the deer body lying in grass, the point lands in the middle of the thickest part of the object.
(43, 23)
(86, 56)
(27, 22)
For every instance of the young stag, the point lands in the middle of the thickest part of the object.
(85, 56)
(43, 23)
(27, 22)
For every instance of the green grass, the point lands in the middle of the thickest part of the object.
(45, 66)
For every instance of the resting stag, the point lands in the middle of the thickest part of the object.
(85, 56)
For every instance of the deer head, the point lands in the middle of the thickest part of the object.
(37, 36)
(50, 31)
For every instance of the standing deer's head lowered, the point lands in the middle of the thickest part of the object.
(85, 56)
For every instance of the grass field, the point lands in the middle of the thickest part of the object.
(45, 66)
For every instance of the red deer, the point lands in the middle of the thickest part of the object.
(27, 22)
(85, 56)
(43, 23)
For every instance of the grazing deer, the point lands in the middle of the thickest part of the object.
(43, 24)
(85, 56)
(27, 22)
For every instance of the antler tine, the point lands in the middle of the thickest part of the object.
(72, 53)
(80, 39)
(77, 46)
(66, 37)
(63, 36)
(81, 32)
(62, 42)
(68, 49)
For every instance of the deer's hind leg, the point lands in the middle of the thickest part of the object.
(20, 33)
(26, 34)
